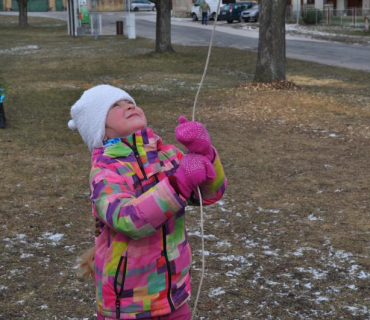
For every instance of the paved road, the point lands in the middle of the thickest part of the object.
(187, 32)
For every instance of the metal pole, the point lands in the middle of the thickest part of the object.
(95, 5)
(69, 19)
(92, 23)
(354, 17)
(298, 12)
(100, 25)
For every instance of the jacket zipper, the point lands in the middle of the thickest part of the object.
(137, 156)
(138, 159)
(168, 269)
(119, 294)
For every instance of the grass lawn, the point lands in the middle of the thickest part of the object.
(290, 238)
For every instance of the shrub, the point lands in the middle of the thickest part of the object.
(311, 16)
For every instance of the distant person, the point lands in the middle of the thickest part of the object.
(204, 9)
(139, 190)
(2, 111)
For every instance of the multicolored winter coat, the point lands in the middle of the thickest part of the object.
(142, 256)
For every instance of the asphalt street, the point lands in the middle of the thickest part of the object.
(188, 32)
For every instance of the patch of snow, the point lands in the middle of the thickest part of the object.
(240, 259)
(321, 299)
(21, 50)
(251, 244)
(333, 135)
(54, 238)
(363, 275)
(223, 244)
(216, 292)
(198, 234)
(353, 309)
(43, 307)
(311, 217)
(316, 274)
(299, 251)
(26, 255)
(232, 273)
(271, 253)
(352, 287)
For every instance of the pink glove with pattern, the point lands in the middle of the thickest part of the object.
(194, 137)
(193, 170)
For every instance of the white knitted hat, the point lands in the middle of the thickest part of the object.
(89, 113)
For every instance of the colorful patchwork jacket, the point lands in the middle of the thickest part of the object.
(142, 256)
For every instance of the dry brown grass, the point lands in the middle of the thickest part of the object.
(289, 240)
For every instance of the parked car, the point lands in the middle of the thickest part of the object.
(142, 5)
(195, 14)
(232, 11)
(251, 14)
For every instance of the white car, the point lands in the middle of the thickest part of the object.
(196, 15)
(142, 5)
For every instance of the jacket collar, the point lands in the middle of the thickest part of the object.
(144, 143)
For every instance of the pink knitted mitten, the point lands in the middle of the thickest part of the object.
(193, 170)
(194, 137)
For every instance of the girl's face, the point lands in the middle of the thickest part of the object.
(123, 119)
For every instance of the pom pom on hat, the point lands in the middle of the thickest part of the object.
(89, 113)
(72, 125)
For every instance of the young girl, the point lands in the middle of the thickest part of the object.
(139, 190)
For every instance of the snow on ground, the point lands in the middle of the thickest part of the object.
(318, 275)
(326, 274)
(306, 30)
(20, 50)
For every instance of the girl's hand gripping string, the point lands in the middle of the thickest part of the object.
(193, 170)
(194, 137)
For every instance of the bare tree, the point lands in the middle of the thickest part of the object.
(271, 46)
(23, 19)
(163, 26)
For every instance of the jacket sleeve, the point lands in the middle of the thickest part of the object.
(114, 204)
(211, 190)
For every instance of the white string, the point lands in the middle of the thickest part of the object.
(208, 56)
(200, 195)
(203, 260)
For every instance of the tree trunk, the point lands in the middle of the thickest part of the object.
(163, 26)
(271, 46)
(23, 19)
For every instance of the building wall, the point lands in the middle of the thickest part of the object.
(341, 4)
(181, 8)
(7, 5)
(319, 4)
(338, 4)
(111, 5)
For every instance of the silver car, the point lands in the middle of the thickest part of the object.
(142, 5)
(251, 14)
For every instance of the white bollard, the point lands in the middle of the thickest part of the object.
(129, 29)
(92, 23)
